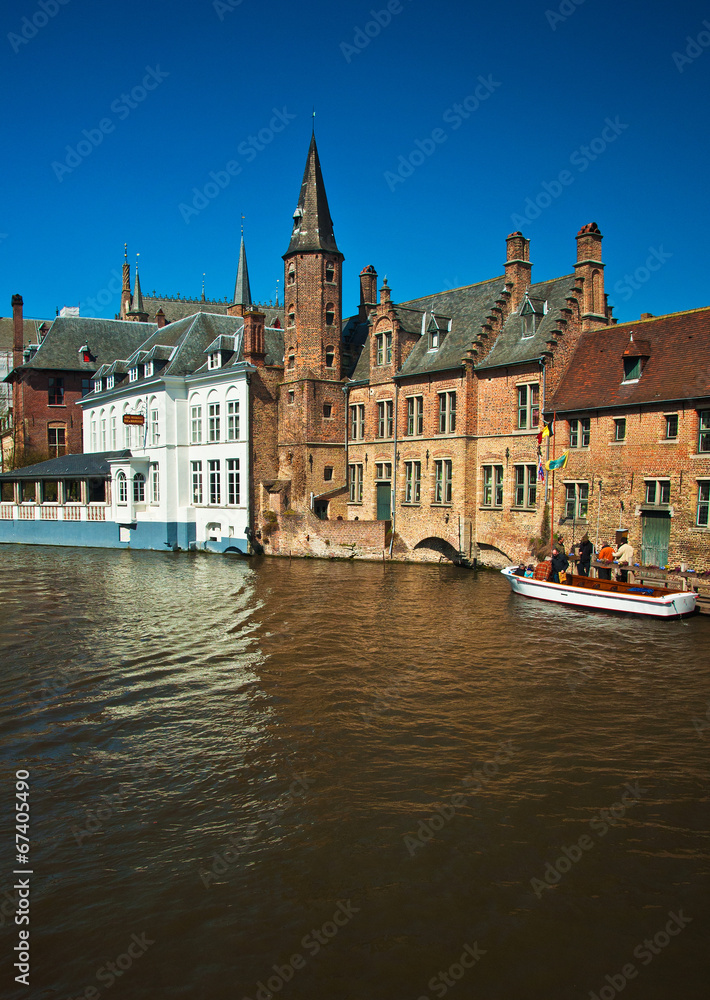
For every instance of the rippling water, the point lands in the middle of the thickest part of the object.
(242, 764)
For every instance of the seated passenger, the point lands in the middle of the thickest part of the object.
(520, 571)
(530, 570)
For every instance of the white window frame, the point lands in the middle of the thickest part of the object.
(213, 422)
(233, 482)
(215, 482)
(196, 423)
(155, 483)
(154, 427)
(232, 419)
(530, 407)
(703, 507)
(493, 486)
(196, 474)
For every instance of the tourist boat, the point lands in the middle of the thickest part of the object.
(605, 595)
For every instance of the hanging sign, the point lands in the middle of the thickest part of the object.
(134, 418)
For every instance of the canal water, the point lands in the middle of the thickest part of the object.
(347, 781)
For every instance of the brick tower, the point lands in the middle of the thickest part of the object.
(311, 411)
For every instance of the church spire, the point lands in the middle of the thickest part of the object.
(242, 291)
(137, 312)
(312, 224)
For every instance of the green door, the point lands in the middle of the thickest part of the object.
(384, 506)
(655, 535)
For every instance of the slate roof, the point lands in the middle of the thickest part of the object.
(510, 347)
(30, 333)
(312, 224)
(178, 308)
(90, 464)
(107, 339)
(677, 368)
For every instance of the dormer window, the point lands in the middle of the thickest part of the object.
(133, 374)
(437, 329)
(214, 360)
(149, 369)
(528, 320)
(97, 385)
(384, 348)
(85, 353)
(110, 382)
(632, 369)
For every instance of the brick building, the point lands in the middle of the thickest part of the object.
(633, 412)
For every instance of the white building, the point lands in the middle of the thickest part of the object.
(177, 410)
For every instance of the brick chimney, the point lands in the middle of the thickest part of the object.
(160, 318)
(385, 293)
(589, 270)
(254, 345)
(517, 268)
(368, 291)
(18, 336)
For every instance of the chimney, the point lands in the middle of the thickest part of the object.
(517, 268)
(368, 291)
(254, 346)
(385, 293)
(160, 318)
(589, 270)
(18, 336)
(646, 315)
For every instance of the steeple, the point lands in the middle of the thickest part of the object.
(126, 289)
(242, 291)
(137, 313)
(312, 224)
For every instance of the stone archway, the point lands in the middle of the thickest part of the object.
(440, 545)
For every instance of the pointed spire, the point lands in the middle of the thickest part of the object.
(242, 291)
(312, 224)
(137, 303)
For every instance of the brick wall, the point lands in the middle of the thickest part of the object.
(31, 401)
(304, 534)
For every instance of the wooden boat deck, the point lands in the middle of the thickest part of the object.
(617, 587)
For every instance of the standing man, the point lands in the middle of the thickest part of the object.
(624, 555)
(586, 551)
(606, 554)
(560, 562)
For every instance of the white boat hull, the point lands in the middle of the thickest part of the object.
(671, 605)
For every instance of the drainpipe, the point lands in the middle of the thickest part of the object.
(346, 390)
(394, 474)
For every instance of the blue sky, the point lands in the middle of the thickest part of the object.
(568, 113)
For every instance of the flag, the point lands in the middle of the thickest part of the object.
(547, 431)
(540, 472)
(557, 463)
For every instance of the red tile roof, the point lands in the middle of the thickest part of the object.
(677, 366)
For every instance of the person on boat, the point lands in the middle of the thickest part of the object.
(586, 551)
(520, 571)
(624, 555)
(529, 572)
(560, 562)
(606, 554)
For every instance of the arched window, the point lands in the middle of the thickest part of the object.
(329, 314)
(139, 488)
(291, 274)
(329, 357)
(292, 315)
(330, 271)
(122, 487)
(292, 358)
